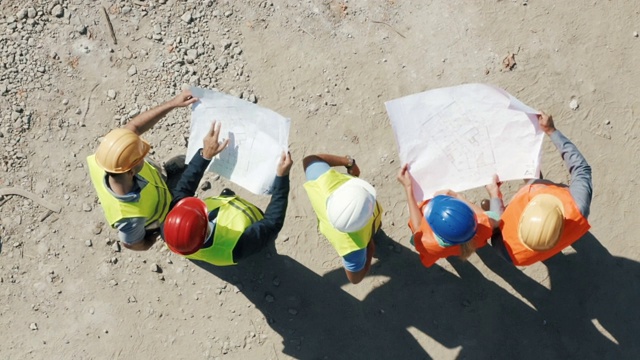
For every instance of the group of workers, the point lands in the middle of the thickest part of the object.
(542, 218)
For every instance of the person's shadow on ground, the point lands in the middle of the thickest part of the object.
(467, 315)
(591, 310)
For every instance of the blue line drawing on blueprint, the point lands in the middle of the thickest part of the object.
(464, 142)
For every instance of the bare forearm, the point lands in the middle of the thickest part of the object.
(497, 205)
(415, 215)
(145, 121)
(332, 160)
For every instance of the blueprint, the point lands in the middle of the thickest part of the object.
(257, 137)
(458, 137)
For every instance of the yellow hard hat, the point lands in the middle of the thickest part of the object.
(542, 222)
(121, 150)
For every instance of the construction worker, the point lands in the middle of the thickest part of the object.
(225, 229)
(347, 210)
(448, 224)
(133, 194)
(544, 217)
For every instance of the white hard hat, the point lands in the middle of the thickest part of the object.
(350, 207)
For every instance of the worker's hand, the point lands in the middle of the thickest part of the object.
(493, 188)
(546, 123)
(404, 177)
(354, 170)
(185, 98)
(284, 166)
(212, 146)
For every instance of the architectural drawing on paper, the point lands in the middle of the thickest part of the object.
(464, 141)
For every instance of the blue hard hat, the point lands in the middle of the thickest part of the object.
(451, 219)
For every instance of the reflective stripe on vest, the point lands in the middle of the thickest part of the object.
(153, 204)
(319, 191)
(429, 249)
(575, 224)
(235, 215)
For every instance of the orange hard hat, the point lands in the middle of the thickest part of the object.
(121, 150)
(186, 225)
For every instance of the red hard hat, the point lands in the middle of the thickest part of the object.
(185, 226)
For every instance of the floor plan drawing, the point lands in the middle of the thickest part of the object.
(459, 137)
(257, 137)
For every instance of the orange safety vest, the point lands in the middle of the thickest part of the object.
(431, 251)
(575, 224)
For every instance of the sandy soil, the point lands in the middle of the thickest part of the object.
(329, 66)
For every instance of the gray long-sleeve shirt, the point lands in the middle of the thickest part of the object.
(581, 186)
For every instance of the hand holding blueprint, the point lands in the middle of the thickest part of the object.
(458, 137)
(257, 137)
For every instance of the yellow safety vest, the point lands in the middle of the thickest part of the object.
(319, 191)
(154, 198)
(235, 215)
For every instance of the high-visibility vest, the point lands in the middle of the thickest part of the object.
(575, 224)
(235, 215)
(431, 251)
(153, 204)
(319, 191)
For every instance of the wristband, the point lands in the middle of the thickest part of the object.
(351, 160)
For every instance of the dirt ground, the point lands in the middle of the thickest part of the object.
(69, 292)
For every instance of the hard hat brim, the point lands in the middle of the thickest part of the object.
(146, 147)
(361, 183)
(194, 203)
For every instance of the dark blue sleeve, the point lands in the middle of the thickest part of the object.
(190, 179)
(260, 233)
